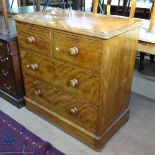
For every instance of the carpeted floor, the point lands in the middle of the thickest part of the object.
(16, 139)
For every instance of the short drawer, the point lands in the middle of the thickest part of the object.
(6, 73)
(34, 39)
(3, 46)
(69, 78)
(73, 109)
(5, 59)
(83, 52)
(8, 86)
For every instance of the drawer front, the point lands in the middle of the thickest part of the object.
(75, 110)
(62, 75)
(5, 59)
(146, 47)
(34, 39)
(8, 86)
(6, 73)
(3, 46)
(79, 51)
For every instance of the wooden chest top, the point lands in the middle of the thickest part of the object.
(89, 24)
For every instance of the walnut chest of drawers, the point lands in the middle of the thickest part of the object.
(78, 69)
(11, 84)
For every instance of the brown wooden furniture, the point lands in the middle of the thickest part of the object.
(11, 84)
(146, 44)
(77, 70)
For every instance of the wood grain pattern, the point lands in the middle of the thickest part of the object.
(70, 21)
(88, 50)
(11, 84)
(133, 8)
(95, 6)
(59, 74)
(152, 20)
(86, 73)
(41, 42)
(93, 141)
(61, 103)
(116, 77)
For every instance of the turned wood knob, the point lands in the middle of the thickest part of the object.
(74, 110)
(74, 51)
(37, 92)
(30, 39)
(73, 82)
(57, 49)
(33, 66)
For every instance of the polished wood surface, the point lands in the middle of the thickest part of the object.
(75, 110)
(133, 8)
(69, 20)
(152, 20)
(35, 38)
(62, 75)
(117, 73)
(11, 84)
(83, 83)
(65, 46)
(95, 6)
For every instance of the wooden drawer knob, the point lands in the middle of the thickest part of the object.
(7, 87)
(73, 82)
(30, 39)
(34, 66)
(74, 51)
(37, 92)
(57, 49)
(74, 110)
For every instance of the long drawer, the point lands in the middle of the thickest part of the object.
(83, 52)
(62, 75)
(35, 39)
(75, 110)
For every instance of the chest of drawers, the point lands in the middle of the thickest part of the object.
(78, 76)
(11, 84)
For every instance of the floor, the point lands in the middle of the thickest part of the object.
(136, 137)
